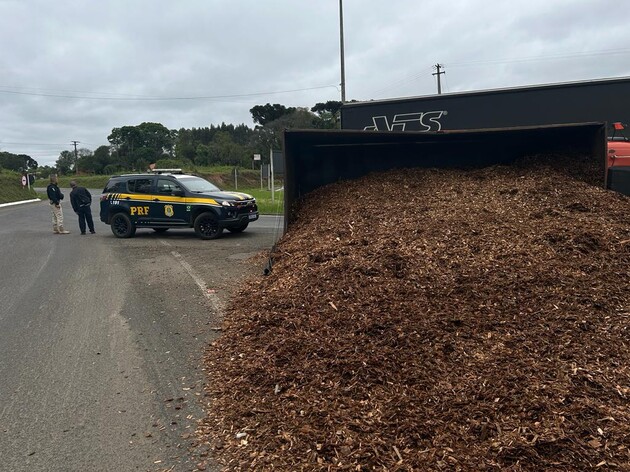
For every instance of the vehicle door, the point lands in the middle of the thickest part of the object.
(139, 198)
(168, 206)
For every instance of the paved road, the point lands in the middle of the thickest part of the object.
(101, 340)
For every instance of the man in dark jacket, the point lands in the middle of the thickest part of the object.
(55, 196)
(81, 200)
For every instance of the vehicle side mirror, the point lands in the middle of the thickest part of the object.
(178, 193)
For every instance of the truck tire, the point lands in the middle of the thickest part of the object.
(122, 227)
(207, 226)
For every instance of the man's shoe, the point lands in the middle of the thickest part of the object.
(83, 234)
(63, 231)
(92, 232)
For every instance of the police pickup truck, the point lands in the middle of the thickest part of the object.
(169, 198)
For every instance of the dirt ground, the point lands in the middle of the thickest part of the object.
(434, 320)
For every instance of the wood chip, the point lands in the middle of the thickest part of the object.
(452, 289)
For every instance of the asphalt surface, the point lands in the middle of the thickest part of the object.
(101, 340)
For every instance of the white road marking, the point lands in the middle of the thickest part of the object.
(19, 203)
(209, 294)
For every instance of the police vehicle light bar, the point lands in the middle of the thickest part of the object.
(166, 171)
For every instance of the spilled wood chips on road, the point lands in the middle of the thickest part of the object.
(428, 319)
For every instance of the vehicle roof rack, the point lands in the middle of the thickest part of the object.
(166, 171)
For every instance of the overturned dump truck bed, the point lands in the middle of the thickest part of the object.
(314, 158)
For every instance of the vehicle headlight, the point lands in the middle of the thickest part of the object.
(226, 203)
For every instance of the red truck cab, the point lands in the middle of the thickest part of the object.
(618, 147)
(618, 161)
(618, 153)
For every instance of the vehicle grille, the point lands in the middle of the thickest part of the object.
(244, 204)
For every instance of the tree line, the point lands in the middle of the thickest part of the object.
(134, 148)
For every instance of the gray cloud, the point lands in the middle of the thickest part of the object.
(106, 62)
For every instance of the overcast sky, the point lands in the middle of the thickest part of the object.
(73, 70)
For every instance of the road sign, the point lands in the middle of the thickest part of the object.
(24, 181)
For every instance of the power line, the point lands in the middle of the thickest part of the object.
(402, 81)
(212, 97)
(34, 144)
(388, 87)
(40, 89)
(446, 84)
(606, 52)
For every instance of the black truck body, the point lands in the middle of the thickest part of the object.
(604, 100)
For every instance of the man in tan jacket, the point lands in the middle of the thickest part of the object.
(55, 196)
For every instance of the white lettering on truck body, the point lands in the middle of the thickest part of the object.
(419, 121)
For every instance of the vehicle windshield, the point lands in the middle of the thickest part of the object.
(197, 184)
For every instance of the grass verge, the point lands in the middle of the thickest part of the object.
(11, 189)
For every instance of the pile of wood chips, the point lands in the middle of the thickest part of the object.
(428, 319)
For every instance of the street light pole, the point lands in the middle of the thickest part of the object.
(343, 67)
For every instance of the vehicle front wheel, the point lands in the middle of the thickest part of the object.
(122, 227)
(207, 226)
(239, 229)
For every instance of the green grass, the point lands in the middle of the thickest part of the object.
(87, 181)
(11, 189)
(222, 176)
(211, 170)
(263, 200)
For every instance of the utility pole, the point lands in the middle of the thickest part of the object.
(343, 67)
(437, 67)
(76, 158)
